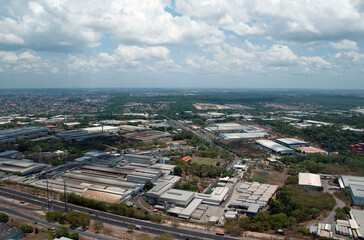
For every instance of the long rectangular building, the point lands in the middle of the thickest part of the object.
(275, 147)
(13, 134)
(85, 133)
(240, 136)
(292, 142)
(24, 166)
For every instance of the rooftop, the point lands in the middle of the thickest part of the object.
(309, 179)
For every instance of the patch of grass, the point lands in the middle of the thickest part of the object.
(207, 161)
(270, 177)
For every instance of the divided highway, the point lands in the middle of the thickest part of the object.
(154, 228)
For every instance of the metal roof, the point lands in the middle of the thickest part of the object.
(309, 179)
(237, 136)
(278, 148)
(352, 180)
(291, 141)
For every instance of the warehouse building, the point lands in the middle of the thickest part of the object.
(274, 147)
(86, 133)
(177, 197)
(357, 194)
(242, 136)
(226, 127)
(139, 159)
(108, 194)
(218, 195)
(345, 181)
(292, 142)
(10, 135)
(309, 180)
(141, 175)
(24, 166)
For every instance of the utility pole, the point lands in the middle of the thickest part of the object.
(65, 197)
(49, 208)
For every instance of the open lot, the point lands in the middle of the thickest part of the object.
(207, 161)
(268, 176)
(245, 148)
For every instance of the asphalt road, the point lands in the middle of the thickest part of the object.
(154, 228)
(32, 218)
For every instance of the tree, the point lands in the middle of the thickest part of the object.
(3, 217)
(62, 231)
(148, 185)
(98, 225)
(130, 227)
(26, 228)
(76, 219)
(175, 223)
(74, 236)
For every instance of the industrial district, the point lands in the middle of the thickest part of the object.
(206, 171)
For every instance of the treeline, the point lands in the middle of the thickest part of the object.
(75, 219)
(292, 205)
(115, 208)
(340, 140)
(200, 170)
(335, 164)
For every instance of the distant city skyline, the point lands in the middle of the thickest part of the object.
(182, 44)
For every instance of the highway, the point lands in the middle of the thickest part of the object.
(154, 228)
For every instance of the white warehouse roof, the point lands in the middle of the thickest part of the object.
(237, 136)
(275, 147)
(309, 179)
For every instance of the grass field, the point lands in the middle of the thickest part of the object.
(207, 161)
(270, 177)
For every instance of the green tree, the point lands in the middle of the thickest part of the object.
(62, 231)
(3, 217)
(26, 228)
(74, 236)
(148, 185)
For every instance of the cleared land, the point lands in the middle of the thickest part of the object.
(245, 148)
(207, 161)
(267, 176)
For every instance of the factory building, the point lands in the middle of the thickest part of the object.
(356, 187)
(309, 180)
(242, 136)
(139, 159)
(10, 135)
(292, 142)
(218, 195)
(141, 175)
(108, 194)
(274, 147)
(177, 197)
(357, 194)
(24, 166)
(86, 133)
(226, 127)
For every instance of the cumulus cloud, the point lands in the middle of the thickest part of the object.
(301, 21)
(345, 44)
(73, 25)
(124, 57)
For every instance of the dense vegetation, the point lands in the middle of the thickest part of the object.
(119, 209)
(200, 170)
(335, 164)
(293, 205)
(341, 140)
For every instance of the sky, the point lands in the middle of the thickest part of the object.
(182, 44)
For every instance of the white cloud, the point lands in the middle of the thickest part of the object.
(8, 57)
(300, 20)
(345, 44)
(72, 25)
(131, 53)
